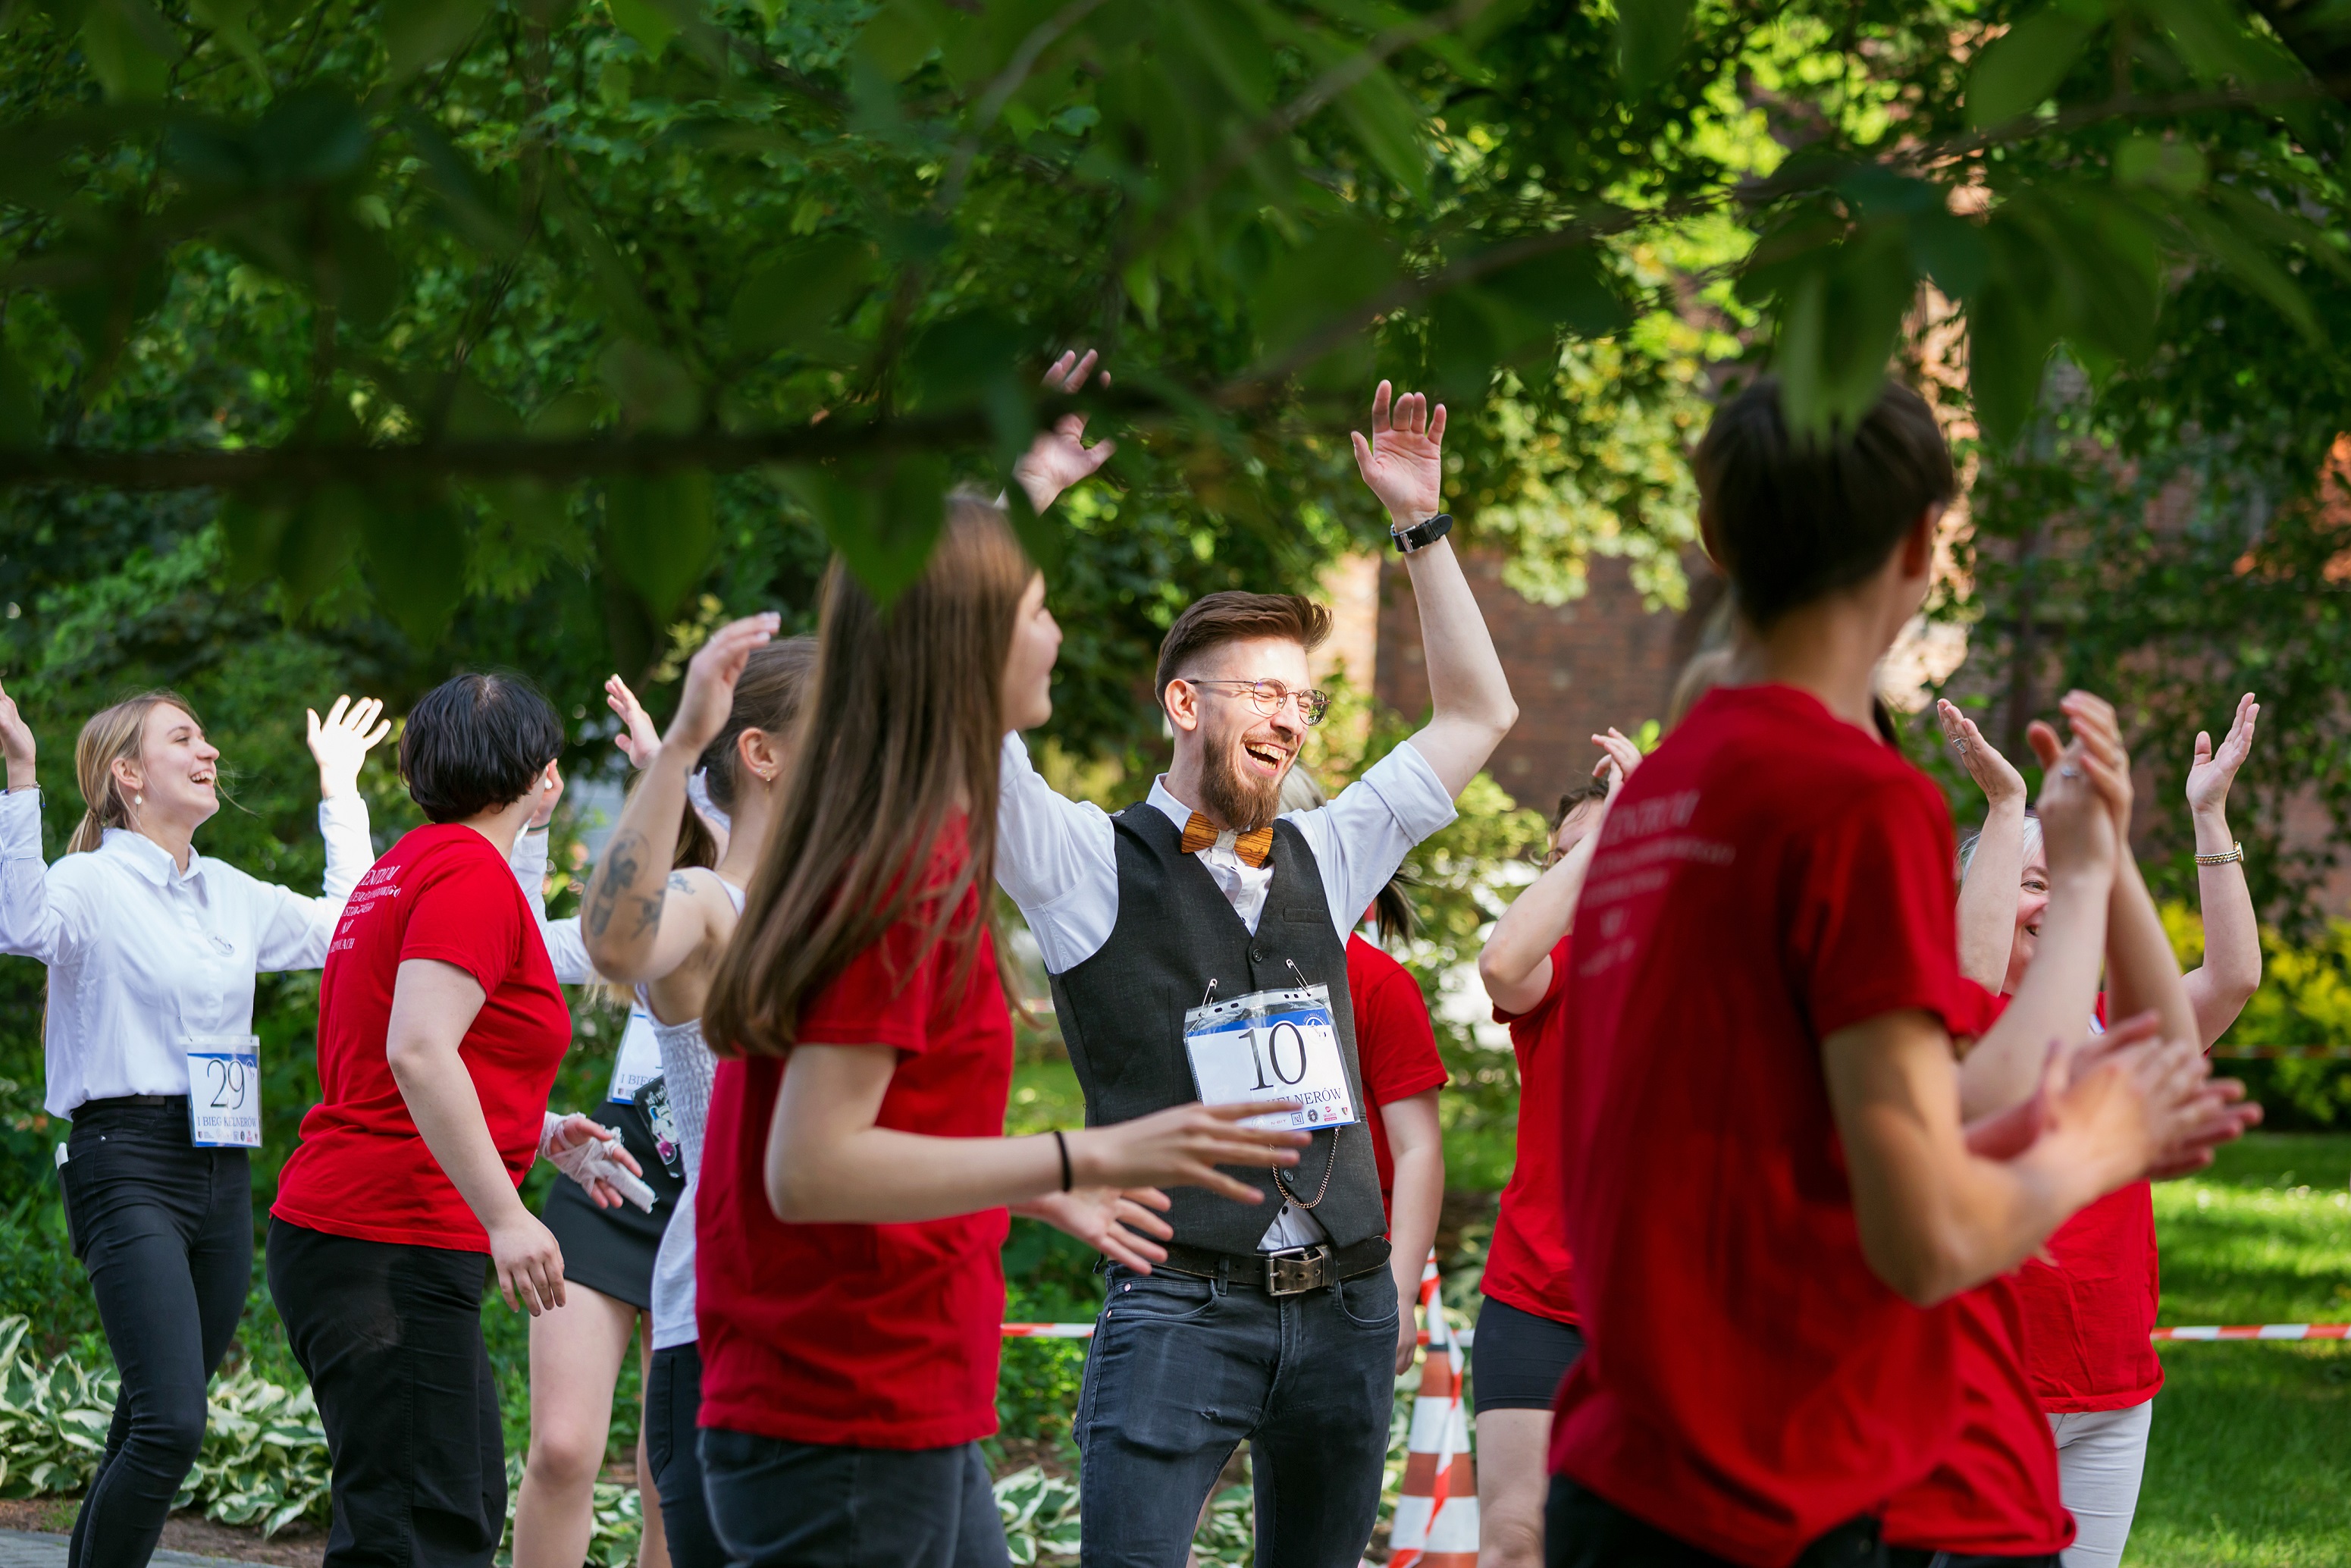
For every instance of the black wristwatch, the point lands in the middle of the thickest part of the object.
(1423, 534)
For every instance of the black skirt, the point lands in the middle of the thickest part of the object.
(610, 1251)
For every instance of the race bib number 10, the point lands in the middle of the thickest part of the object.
(224, 1090)
(1272, 1045)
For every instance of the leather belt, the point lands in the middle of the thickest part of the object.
(1288, 1273)
(133, 1102)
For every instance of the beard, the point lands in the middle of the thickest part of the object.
(1245, 802)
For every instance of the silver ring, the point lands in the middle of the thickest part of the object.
(2069, 771)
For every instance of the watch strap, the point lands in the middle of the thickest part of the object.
(1422, 534)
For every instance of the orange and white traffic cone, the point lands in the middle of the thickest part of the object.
(1436, 1515)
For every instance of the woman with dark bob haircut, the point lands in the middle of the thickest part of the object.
(440, 1026)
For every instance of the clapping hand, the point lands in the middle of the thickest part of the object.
(1993, 774)
(2213, 771)
(342, 741)
(639, 741)
(1059, 457)
(1403, 461)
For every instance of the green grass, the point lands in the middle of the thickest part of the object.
(2247, 1463)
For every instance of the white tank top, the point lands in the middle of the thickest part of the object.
(687, 1067)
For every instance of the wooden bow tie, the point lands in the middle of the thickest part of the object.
(1254, 848)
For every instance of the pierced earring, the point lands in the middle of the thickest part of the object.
(138, 800)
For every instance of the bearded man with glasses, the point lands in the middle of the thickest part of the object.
(1197, 944)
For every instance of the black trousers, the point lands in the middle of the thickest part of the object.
(164, 1230)
(1583, 1530)
(391, 1337)
(809, 1505)
(673, 1452)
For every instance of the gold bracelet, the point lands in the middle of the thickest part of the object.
(2234, 855)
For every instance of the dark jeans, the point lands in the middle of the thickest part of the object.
(673, 1401)
(391, 1337)
(164, 1230)
(1583, 1529)
(811, 1505)
(1182, 1369)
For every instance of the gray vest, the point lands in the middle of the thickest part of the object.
(1122, 1015)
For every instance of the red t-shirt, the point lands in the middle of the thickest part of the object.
(1395, 1045)
(1995, 1492)
(362, 1170)
(2089, 1314)
(1770, 875)
(1529, 1265)
(874, 1336)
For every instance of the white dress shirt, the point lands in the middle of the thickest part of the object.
(566, 949)
(1059, 860)
(142, 955)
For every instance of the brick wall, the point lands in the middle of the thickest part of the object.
(1575, 668)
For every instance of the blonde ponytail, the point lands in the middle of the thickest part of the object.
(112, 735)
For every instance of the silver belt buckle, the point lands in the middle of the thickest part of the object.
(1297, 1271)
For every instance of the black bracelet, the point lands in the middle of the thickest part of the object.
(1062, 1144)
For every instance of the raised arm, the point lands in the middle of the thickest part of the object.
(1402, 462)
(1987, 886)
(2060, 987)
(1516, 963)
(2220, 986)
(643, 920)
(37, 921)
(299, 928)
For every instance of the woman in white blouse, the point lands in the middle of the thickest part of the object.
(152, 950)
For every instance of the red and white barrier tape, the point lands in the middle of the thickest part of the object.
(2274, 1053)
(2194, 1331)
(2258, 1331)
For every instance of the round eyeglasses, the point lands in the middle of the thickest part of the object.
(1267, 697)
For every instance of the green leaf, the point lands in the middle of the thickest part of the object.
(254, 530)
(1951, 250)
(656, 392)
(659, 535)
(465, 198)
(2017, 71)
(899, 38)
(1387, 123)
(883, 517)
(317, 542)
(2012, 324)
(227, 19)
(649, 25)
(1572, 290)
(418, 32)
(1649, 38)
(1334, 274)
(130, 48)
(792, 298)
(2160, 163)
(20, 405)
(1837, 326)
(415, 551)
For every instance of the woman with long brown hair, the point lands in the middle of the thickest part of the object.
(854, 1182)
(152, 950)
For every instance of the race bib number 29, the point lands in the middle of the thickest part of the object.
(224, 1090)
(1267, 1046)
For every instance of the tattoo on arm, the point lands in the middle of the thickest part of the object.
(679, 882)
(623, 862)
(649, 911)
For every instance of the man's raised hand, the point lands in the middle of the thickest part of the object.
(1403, 460)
